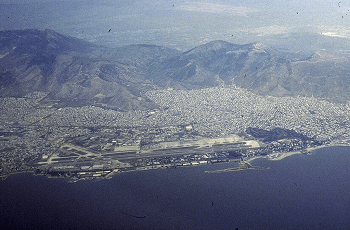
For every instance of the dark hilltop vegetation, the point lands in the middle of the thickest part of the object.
(275, 134)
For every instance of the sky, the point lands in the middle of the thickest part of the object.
(178, 24)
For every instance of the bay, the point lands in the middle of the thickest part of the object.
(298, 192)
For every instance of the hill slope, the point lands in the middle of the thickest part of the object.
(72, 70)
(260, 69)
(79, 73)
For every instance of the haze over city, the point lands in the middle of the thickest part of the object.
(179, 24)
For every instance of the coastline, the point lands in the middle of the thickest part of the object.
(310, 149)
(272, 157)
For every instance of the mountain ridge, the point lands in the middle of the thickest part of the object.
(74, 70)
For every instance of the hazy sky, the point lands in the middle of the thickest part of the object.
(179, 24)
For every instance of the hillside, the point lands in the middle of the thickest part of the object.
(71, 70)
(79, 73)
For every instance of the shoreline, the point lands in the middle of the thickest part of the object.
(278, 156)
(310, 149)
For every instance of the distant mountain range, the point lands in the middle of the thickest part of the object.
(77, 72)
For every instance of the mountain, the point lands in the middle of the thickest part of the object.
(20, 51)
(76, 72)
(251, 66)
(260, 69)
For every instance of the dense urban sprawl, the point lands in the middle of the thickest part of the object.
(32, 127)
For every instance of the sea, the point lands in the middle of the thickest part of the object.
(297, 192)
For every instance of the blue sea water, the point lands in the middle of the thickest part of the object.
(298, 192)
